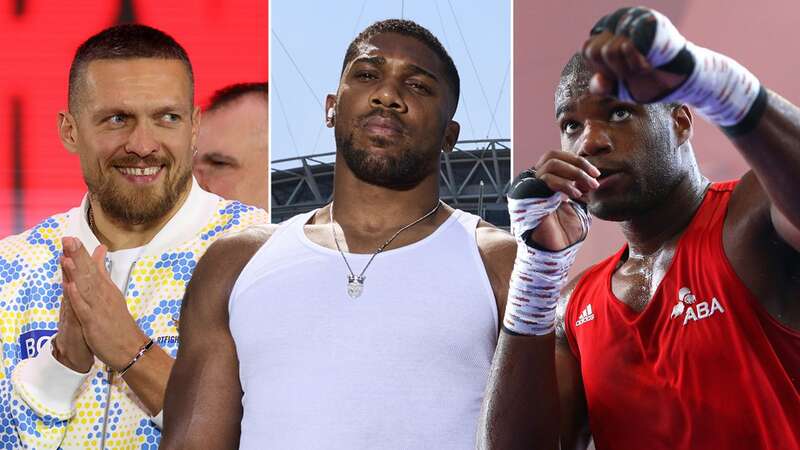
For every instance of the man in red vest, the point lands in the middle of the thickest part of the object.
(687, 337)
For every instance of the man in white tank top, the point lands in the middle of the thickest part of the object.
(371, 322)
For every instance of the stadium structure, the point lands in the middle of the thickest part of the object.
(474, 177)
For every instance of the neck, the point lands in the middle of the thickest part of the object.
(374, 209)
(117, 235)
(648, 232)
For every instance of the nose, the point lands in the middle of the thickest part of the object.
(595, 139)
(142, 141)
(387, 95)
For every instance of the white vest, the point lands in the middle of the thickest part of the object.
(404, 366)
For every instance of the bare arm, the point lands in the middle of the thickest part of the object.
(148, 378)
(520, 408)
(772, 149)
(575, 434)
(203, 406)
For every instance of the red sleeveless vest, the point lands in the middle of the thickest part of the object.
(704, 366)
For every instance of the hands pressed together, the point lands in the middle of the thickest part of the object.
(94, 320)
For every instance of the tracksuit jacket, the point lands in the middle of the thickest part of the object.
(44, 405)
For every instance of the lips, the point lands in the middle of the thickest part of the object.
(383, 126)
(608, 177)
(139, 171)
(140, 174)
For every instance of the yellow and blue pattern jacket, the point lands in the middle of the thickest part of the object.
(44, 405)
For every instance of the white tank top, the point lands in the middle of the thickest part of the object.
(404, 366)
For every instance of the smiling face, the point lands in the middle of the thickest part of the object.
(393, 112)
(634, 146)
(133, 131)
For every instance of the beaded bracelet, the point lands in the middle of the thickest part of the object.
(142, 351)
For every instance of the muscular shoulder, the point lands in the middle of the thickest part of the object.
(496, 244)
(498, 250)
(224, 260)
(752, 217)
(231, 252)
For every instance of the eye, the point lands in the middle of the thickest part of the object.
(569, 126)
(117, 120)
(171, 118)
(418, 86)
(365, 76)
(620, 114)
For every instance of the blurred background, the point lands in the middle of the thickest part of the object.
(309, 39)
(763, 36)
(226, 41)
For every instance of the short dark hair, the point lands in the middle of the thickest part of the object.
(416, 31)
(231, 93)
(127, 41)
(578, 70)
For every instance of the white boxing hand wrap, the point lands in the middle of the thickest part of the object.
(719, 88)
(538, 275)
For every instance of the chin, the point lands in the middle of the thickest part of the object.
(617, 209)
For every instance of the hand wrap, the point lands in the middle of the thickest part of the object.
(718, 87)
(538, 274)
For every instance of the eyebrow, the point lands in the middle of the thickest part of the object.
(417, 70)
(104, 112)
(564, 108)
(570, 105)
(374, 60)
(169, 108)
(380, 61)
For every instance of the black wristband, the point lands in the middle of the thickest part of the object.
(142, 351)
(752, 118)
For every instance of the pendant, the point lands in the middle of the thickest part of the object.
(355, 285)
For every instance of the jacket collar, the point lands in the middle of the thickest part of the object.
(186, 224)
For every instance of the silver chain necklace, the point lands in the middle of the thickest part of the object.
(355, 283)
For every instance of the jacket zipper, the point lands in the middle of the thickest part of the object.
(108, 405)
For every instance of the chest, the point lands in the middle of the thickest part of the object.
(293, 300)
(636, 280)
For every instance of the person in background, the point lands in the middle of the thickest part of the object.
(232, 157)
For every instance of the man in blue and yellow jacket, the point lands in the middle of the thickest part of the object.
(90, 299)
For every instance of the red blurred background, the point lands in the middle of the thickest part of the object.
(226, 41)
(763, 36)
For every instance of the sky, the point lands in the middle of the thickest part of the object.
(308, 40)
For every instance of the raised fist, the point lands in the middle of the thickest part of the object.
(639, 55)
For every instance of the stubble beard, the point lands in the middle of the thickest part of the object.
(402, 171)
(139, 206)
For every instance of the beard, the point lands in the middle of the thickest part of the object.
(400, 171)
(137, 205)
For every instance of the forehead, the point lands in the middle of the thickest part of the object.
(133, 81)
(401, 49)
(249, 112)
(571, 87)
(235, 128)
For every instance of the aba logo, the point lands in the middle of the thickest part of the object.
(687, 303)
(33, 341)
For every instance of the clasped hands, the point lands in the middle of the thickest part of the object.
(94, 319)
